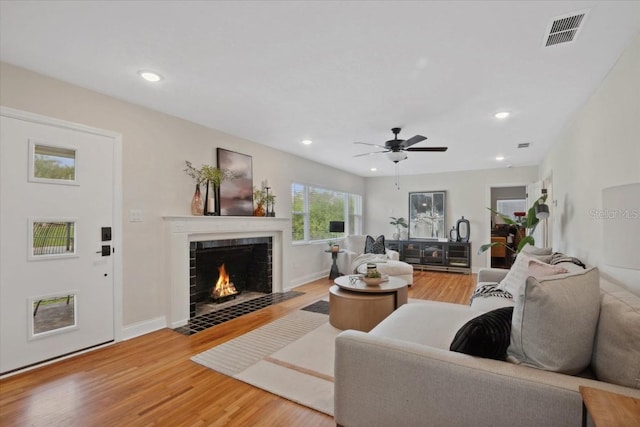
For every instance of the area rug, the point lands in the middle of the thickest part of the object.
(291, 357)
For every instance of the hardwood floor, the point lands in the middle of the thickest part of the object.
(150, 380)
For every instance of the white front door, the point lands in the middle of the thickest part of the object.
(57, 184)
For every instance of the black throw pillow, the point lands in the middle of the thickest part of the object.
(487, 335)
(376, 246)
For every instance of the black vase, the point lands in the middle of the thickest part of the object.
(463, 230)
(206, 200)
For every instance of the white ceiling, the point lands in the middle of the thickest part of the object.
(277, 72)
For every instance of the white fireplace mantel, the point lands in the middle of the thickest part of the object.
(180, 231)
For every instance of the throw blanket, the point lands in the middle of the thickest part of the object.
(367, 258)
(559, 257)
(489, 290)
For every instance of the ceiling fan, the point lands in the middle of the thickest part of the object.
(396, 148)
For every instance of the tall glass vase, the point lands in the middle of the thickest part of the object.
(196, 203)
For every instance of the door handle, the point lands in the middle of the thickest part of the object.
(105, 251)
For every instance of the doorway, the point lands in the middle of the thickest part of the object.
(509, 201)
(60, 222)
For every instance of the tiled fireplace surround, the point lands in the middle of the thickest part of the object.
(182, 231)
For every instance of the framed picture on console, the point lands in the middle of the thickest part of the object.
(236, 195)
(427, 214)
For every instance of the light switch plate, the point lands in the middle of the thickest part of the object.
(135, 215)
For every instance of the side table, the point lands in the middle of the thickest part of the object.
(608, 409)
(334, 267)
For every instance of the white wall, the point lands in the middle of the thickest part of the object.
(155, 146)
(600, 148)
(468, 194)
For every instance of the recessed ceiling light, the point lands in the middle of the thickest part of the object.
(150, 76)
(502, 115)
(307, 141)
(500, 158)
(373, 169)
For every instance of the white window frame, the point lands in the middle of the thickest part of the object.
(306, 213)
(32, 168)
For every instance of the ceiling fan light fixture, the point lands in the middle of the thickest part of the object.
(396, 156)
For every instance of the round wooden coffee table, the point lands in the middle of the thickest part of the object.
(354, 305)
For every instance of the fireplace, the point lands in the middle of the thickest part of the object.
(246, 262)
(183, 231)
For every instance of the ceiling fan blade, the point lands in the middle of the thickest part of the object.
(438, 149)
(373, 152)
(413, 140)
(373, 145)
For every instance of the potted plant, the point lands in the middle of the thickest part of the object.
(399, 223)
(210, 175)
(263, 201)
(333, 246)
(196, 200)
(528, 222)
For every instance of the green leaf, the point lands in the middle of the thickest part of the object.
(506, 219)
(486, 246)
(524, 241)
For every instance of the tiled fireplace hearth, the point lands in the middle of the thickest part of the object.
(184, 233)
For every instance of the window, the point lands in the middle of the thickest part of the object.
(52, 164)
(52, 238)
(508, 206)
(313, 207)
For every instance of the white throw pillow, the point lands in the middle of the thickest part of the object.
(516, 276)
(554, 322)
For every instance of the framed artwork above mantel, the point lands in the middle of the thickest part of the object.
(427, 215)
(236, 195)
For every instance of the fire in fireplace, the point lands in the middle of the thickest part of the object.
(247, 264)
(224, 288)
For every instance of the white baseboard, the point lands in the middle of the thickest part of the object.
(144, 327)
(306, 279)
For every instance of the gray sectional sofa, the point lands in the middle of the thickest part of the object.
(402, 372)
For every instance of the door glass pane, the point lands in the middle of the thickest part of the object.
(53, 238)
(54, 163)
(53, 313)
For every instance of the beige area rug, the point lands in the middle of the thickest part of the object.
(291, 357)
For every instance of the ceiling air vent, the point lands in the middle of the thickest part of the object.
(564, 29)
(524, 145)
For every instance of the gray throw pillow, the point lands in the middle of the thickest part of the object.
(616, 350)
(554, 322)
(376, 246)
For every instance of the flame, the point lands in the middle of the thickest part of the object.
(223, 286)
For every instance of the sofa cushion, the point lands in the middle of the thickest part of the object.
(554, 322)
(374, 246)
(487, 335)
(431, 323)
(389, 267)
(616, 350)
(541, 254)
(529, 249)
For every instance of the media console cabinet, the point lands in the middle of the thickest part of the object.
(434, 255)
